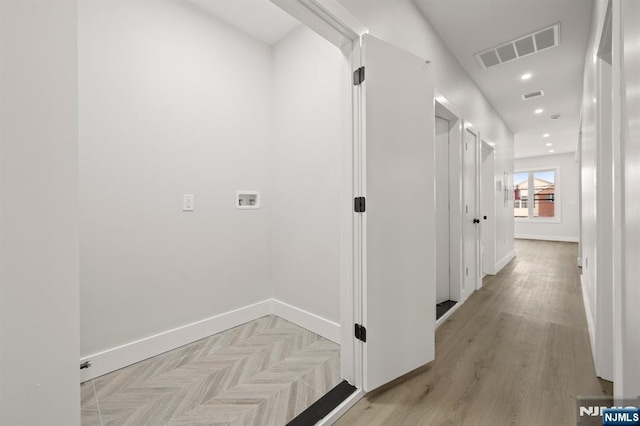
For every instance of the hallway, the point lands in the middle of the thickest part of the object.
(517, 352)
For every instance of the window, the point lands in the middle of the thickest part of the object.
(541, 201)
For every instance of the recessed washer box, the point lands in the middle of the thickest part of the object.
(247, 200)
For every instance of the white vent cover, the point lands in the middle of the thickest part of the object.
(532, 95)
(524, 46)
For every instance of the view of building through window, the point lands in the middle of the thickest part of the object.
(540, 203)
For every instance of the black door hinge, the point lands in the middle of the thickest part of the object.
(361, 333)
(358, 76)
(359, 204)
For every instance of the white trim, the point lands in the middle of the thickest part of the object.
(444, 108)
(347, 249)
(503, 262)
(589, 315)
(124, 355)
(339, 411)
(447, 314)
(121, 356)
(536, 220)
(312, 322)
(329, 18)
(561, 238)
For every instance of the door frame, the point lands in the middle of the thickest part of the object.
(446, 110)
(336, 24)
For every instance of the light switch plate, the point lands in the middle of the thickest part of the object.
(187, 202)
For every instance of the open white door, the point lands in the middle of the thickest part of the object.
(471, 240)
(398, 242)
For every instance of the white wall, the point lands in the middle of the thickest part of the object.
(612, 297)
(567, 193)
(596, 169)
(629, 14)
(310, 124)
(39, 339)
(172, 101)
(587, 171)
(401, 23)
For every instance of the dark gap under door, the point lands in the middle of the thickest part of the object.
(443, 308)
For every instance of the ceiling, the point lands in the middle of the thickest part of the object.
(259, 18)
(469, 27)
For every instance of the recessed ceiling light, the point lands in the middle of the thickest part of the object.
(539, 111)
(546, 135)
(549, 144)
(551, 150)
(525, 76)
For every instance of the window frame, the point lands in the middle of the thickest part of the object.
(557, 190)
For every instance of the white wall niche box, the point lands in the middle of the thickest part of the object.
(187, 202)
(247, 200)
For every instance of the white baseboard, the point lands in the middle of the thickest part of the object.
(547, 238)
(339, 411)
(115, 358)
(322, 326)
(503, 262)
(590, 322)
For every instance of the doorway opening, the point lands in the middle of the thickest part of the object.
(448, 157)
(444, 301)
(212, 203)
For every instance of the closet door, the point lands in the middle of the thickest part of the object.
(398, 241)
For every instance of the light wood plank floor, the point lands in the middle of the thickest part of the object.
(516, 353)
(263, 373)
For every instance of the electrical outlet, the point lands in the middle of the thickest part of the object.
(187, 202)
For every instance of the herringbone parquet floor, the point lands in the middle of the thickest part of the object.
(264, 373)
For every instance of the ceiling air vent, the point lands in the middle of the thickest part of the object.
(523, 46)
(532, 95)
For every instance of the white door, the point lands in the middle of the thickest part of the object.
(442, 211)
(470, 215)
(398, 181)
(487, 212)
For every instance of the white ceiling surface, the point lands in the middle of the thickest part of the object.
(259, 18)
(471, 26)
